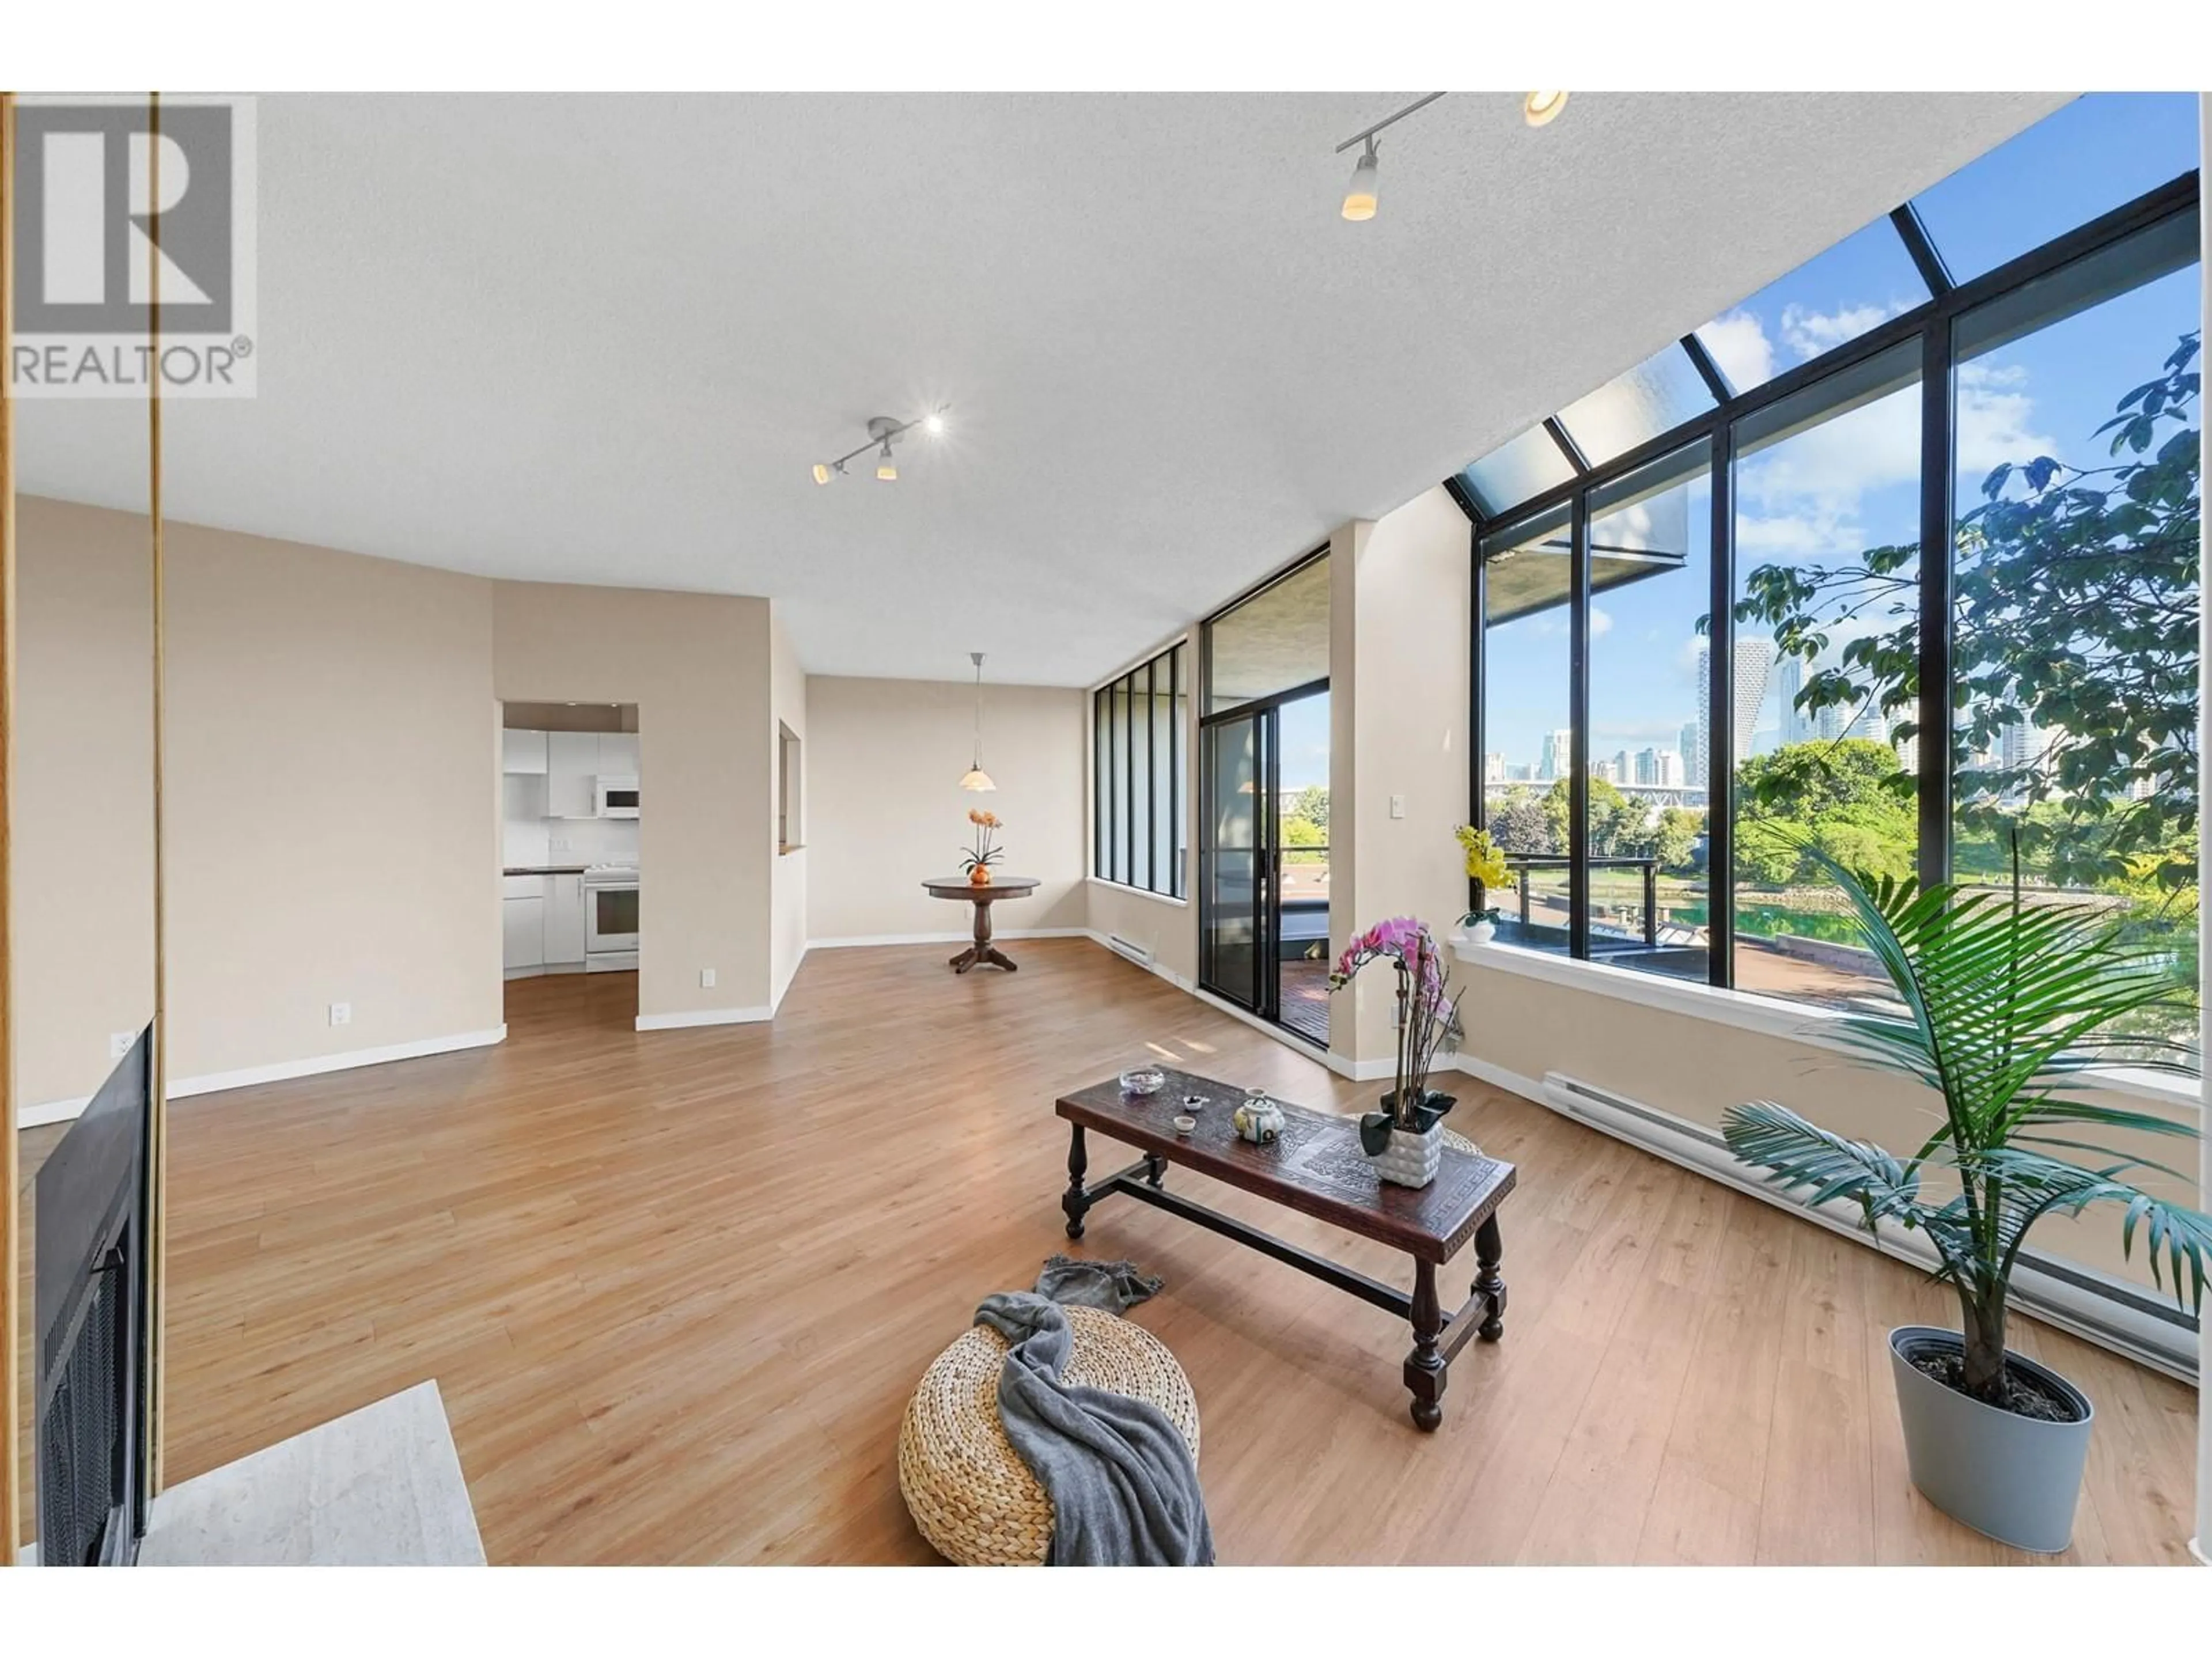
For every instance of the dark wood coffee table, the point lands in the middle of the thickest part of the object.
(1315, 1168)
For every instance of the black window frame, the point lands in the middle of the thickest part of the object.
(1117, 753)
(1930, 325)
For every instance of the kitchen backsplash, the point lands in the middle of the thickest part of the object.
(528, 839)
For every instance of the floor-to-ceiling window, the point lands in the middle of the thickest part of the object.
(1137, 790)
(1705, 621)
(1528, 737)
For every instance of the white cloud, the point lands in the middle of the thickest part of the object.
(1808, 332)
(1994, 416)
(1739, 344)
(1601, 621)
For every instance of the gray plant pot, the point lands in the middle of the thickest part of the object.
(2011, 1477)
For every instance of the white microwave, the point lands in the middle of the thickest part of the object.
(615, 797)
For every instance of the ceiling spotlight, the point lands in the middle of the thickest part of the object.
(1541, 108)
(882, 433)
(1359, 194)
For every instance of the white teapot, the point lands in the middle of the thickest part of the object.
(1257, 1119)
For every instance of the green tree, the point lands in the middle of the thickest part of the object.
(1674, 839)
(2077, 611)
(1842, 799)
(1311, 804)
(1521, 824)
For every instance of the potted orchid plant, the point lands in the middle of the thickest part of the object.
(976, 860)
(1404, 1139)
(1487, 869)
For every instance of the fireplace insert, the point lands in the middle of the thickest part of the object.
(91, 1247)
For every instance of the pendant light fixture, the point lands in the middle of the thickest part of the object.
(977, 778)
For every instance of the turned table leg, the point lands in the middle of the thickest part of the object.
(1425, 1369)
(1072, 1201)
(1487, 1282)
(983, 951)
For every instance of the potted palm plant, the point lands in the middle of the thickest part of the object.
(2005, 1003)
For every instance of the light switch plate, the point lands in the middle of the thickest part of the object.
(706, 979)
(1397, 806)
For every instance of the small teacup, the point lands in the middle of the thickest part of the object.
(1185, 1123)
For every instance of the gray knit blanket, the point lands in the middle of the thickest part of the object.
(1123, 1486)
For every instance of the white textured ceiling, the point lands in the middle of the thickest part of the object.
(600, 339)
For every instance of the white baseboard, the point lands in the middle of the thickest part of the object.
(705, 1016)
(964, 936)
(215, 1083)
(1512, 1082)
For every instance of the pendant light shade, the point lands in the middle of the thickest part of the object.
(1359, 195)
(977, 779)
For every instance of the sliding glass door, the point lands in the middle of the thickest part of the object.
(1236, 858)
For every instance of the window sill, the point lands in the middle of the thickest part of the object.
(1138, 892)
(795, 847)
(1748, 1011)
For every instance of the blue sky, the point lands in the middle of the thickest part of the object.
(1821, 495)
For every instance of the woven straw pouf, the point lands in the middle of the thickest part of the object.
(973, 1499)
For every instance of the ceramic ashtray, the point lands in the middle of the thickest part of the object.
(1145, 1080)
(1185, 1123)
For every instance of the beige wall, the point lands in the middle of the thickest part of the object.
(787, 886)
(1696, 1069)
(332, 818)
(886, 809)
(698, 668)
(1400, 593)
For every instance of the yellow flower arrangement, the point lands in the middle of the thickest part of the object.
(1486, 867)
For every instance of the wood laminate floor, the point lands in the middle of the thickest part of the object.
(675, 1288)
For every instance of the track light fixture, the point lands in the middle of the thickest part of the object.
(1359, 195)
(882, 433)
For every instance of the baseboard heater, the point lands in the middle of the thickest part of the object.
(2095, 1306)
(1130, 948)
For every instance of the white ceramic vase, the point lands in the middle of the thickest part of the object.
(1411, 1159)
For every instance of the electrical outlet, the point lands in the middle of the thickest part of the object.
(706, 979)
(118, 1043)
(341, 1014)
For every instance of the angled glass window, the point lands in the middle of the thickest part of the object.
(1657, 396)
(2098, 153)
(1833, 298)
(2074, 568)
(1514, 472)
(1651, 541)
(1527, 739)
(1824, 707)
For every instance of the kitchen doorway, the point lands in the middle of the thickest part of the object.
(572, 806)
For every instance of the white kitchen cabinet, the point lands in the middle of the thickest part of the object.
(522, 751)
(524, 920)
(571, 766)
(619, 753)
(564, 920)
